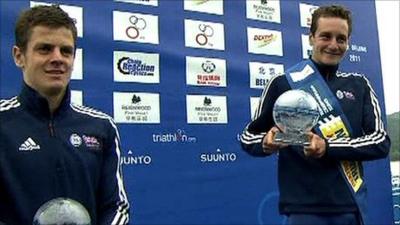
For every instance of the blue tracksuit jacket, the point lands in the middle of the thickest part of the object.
(74, 153)
(310, 185)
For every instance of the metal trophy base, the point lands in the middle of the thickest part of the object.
(296, 138)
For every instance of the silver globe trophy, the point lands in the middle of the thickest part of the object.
(295, 113)
(62, 211)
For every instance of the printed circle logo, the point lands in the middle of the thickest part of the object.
(120, 64)
(208, 66)
(137, 24)
(339, 94)
(135, 67)
(75, 140)
(206, 32)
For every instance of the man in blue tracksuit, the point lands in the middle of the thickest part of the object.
(323, 183)
(50, 148)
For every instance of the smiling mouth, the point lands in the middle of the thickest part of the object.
(333, 53)
(55, 72)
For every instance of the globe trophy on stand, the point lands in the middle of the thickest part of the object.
(295, 113)
(62, 211)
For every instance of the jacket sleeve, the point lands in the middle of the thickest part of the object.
(113, 205)
(253, 134)
(374, 143)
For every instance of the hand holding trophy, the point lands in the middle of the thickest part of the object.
(295, 113)
(61, 211)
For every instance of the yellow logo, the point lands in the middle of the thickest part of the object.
(333, 128)
(264, 40)
(352, 171)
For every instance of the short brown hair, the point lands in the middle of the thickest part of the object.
(330, 11)
(50, 16)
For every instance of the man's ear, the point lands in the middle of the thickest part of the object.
(18, 56)
(311, 39)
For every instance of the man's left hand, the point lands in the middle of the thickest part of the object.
(317, 147)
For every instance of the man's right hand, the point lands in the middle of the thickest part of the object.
(268, 144)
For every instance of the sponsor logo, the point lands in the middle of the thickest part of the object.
(263, 10)
(261, 82)
(345, 94)
(208, 79)
(75, 140)
(206, 6)
(206, 32)
(137, 24)
(261, 73)
(207, 101)
(265, 39)
(349, 95)
(203, 34)
(199, 2)
(352, 171)
(179, 136)
(208, 66)
(262, 41)
(29, 145)
(339, 94)
(135, 27)
(205, 71)
(136, 107)
(333, 127)
(132, 159)
(206, 109)
(135, 67)
(136, 99)
(91, 142)
(218, 157)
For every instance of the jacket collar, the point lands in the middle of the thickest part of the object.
(327, 71)
(38, 105)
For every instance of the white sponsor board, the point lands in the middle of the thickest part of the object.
(202, 71)
(202, 34)
(205, 6)
(264, 10)
(206, 109)
(136, 67)
(136, 107)
(261, 73)
(263, 41)
(135, 27)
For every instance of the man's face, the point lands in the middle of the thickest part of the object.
(330, 40)
(48, 60)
